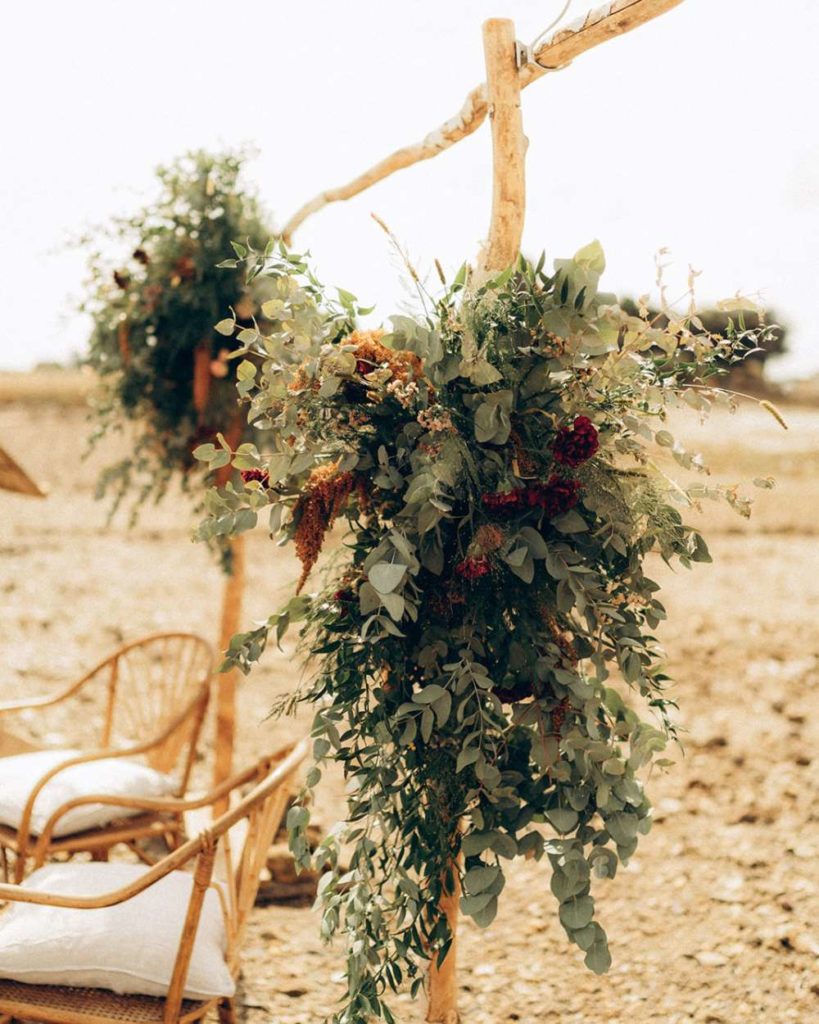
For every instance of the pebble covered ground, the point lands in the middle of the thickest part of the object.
(716, 919)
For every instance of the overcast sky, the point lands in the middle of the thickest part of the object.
(697, 132)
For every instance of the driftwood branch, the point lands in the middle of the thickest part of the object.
(508, 148)
(500, 251)
(606, 22)
(226, 682)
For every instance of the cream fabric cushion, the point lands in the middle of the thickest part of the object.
(129, 948)
(111, 776)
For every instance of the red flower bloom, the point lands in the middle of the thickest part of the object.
(505, 501)
(362, 367)
(256, 474)
(555, 497)
(576, 445)
(474, 568)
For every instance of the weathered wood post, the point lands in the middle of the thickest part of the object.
(508, 148)
(499, 252)
(234, 584)
(226, 682)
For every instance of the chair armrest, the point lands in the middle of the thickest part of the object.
(31, 703)
(24, 830)
(23, 894)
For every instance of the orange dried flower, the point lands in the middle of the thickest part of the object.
(302, 381)
(559, 637)
(488, 538)
(368, 349)
(324, 496)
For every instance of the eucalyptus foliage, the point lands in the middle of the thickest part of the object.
(485, 666)
(155, 306)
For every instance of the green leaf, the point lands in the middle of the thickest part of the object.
(205, 452)
(476, 842)
(471, 905)
(576, 912)
(429, 694)
(442, 708)
(534, 541)
(570, 522)
(395, 605)
(622, 827)
(467, 757)
(483, 918)
(591, 257)
(427, 724)
(598, 958)
(563, 818)
(479, 879)
(225, 327)
(385, 576)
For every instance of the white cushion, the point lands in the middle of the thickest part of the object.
(111, 776)
(129, 948)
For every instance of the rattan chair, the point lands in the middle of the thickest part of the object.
(155, 694)
(210, 857)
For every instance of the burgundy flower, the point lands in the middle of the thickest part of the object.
(505, 501)
(256, 474)
(474, 568)
(555, 497)
(362, 367)
(576, 445)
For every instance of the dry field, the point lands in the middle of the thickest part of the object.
(715, 921)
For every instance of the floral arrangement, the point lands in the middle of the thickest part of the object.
(483, 639)
(161, 363)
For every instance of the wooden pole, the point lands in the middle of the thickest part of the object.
(230, 622)
(508, 148)
(500, 251)
(226, 681)
(598, 26)
(442, 1007)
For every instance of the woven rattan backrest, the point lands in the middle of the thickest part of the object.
(150, 682)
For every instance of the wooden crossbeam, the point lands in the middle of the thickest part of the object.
(606, 22)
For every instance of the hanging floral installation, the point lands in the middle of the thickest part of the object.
(162, 364)
(481, 649)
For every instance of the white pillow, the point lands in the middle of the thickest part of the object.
(130, 948)
(111, 776)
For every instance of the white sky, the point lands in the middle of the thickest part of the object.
(697, 132)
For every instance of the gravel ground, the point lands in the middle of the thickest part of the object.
(716, 919)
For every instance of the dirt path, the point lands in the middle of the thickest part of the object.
(716, 920)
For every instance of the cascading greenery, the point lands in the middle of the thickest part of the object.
(161, 363)
(485, 634)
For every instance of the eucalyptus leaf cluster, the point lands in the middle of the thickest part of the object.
(484, 664)
(158, 283)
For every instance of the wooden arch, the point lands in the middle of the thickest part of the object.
(509, 69)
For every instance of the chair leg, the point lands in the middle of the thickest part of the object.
(227, 1012)
(4, 861)
(100, 854)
